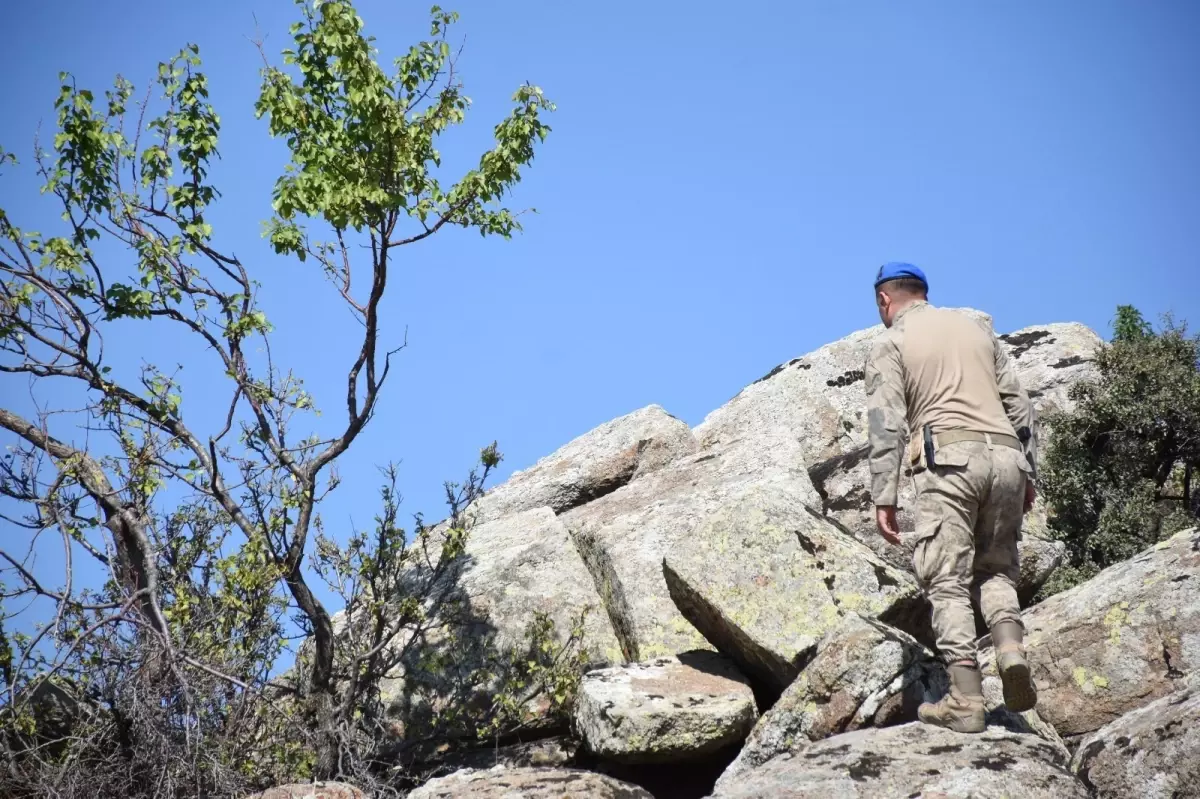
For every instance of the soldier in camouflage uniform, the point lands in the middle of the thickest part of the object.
(945, 378)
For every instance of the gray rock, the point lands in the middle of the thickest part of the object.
(1151, 753)
(624, 535)
(528, 783)
(1039, 558)
(592, 465)
(864, 674)
(1049, 359)
(1029, 722)
(519, 565)
(512, 569)
(556, 751)
(764, 579)
(1123, 639)
(311, 790)
(914, 760)
(669, 709)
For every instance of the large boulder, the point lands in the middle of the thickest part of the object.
(1151, 753)
(592, 465)
(1123, 639)
(666, 710)
(914, 760)
(311, 790)
(624, 535)
(864, 674)
(764, 580)
(524, 564)
(528, 783)
(1049, 359)
(512, 569)
(1040, 557)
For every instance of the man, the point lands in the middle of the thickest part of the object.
(947, 379)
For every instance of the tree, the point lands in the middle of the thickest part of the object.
(1120, 468)
(212, 537)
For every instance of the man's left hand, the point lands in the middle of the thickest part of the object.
(885, 520)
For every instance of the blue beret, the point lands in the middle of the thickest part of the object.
(896, 270)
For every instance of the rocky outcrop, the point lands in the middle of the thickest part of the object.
(624, 535)
(592, 465)
(1049, 359)
(1119, 641)
(764, 580)
(753, 535)
(527, 783)
(864, 674)
(666, 710)
(311, 790)
(1151, 753)
(914, 760)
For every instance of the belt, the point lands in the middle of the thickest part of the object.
(916, 446)
(954, 436)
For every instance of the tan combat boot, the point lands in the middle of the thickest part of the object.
(1020, 694)
(960, 710)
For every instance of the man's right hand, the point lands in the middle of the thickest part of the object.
(885, 520)
(1030, 495)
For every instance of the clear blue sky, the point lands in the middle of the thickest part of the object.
(722, 181)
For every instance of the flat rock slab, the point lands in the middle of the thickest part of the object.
(666, 710)
(913, 760)
(624, 535)
(592, 465)
(528, 783)
(764, 581)
(1123, 639)
(864, 674)
(1151, 753)
(311, 790)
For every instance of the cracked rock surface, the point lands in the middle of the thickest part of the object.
(1150, 753)
(1123, 639)
(528, 783)
(665, 710)
(764, 581)
(913, 760)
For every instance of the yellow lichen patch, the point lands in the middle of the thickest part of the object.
(1116, 616)
(1089, 682)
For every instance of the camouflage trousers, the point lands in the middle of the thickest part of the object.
(969, 511)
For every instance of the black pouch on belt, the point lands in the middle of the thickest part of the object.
(928, 435)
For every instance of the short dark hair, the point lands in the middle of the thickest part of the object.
(904, 285)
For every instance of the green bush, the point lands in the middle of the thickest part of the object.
(1119, 468)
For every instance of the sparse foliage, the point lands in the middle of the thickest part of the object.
(1121, 467)
(162, 676)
